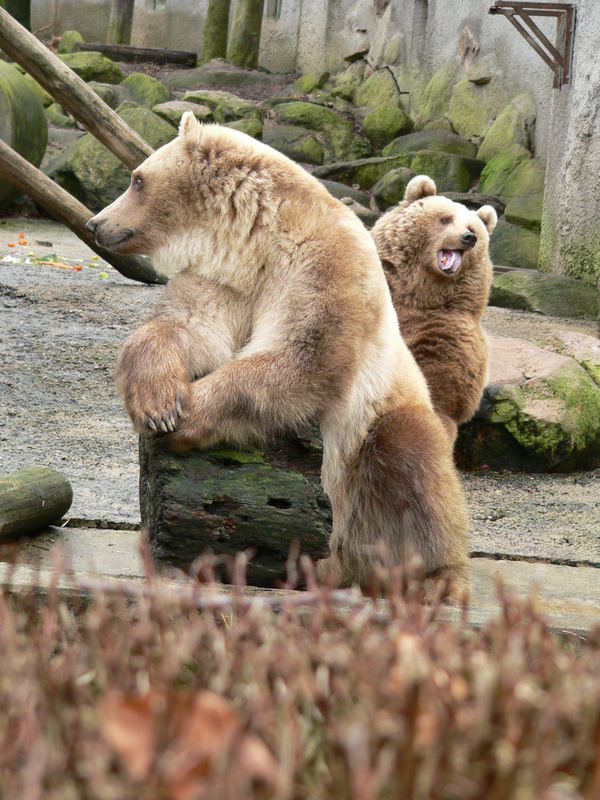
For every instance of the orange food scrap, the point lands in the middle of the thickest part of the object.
(22, 236)
(77, 268)
(22, 242)
(11, 244)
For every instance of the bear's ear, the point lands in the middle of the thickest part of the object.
(488, 216)
(419, 187)
(189, 127)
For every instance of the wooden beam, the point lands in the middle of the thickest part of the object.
(187, 58)
(66, 209)
(72, 93)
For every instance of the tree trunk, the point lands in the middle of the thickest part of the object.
(215, 30)
(20, 10)
(227, 501)
(119, 22)
(244, 40)
(31, 500)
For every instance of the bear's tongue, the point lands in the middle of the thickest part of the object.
(449, 261)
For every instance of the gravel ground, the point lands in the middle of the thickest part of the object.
(60, 331)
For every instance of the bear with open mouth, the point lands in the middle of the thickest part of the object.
(435, 254)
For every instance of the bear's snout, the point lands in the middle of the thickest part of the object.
(468, 239)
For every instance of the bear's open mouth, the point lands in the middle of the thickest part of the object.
(449, 261)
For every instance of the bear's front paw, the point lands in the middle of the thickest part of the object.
(157, 405)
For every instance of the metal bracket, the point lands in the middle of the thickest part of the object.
(558, 57)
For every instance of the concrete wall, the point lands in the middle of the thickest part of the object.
(570, 240)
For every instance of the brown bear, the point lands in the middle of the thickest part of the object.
(435, 254)
(278, 314)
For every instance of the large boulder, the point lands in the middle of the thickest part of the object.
(389, 190)
(552, 295)
(309, 82)
(524, 190)
(362, 171)
(143, 90)
(437, 140)
(473, 108)
(437, 94)
(347, 82)
(173, 111)
(380, 90)
(514, 125)
(216, 75)
(70, 41)
(106, 92)
(23, 123)
(92, 173)
(540, 412)
(295, 142)
(499, 169)
(92, 66)
(384, 124)
(512, 246)
(450, 172)
(225, 106)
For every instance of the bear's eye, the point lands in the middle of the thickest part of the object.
(137, 183)
(446, 220)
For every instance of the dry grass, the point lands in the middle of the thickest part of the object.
(154, 699)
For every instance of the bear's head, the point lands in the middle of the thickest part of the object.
(434, 249)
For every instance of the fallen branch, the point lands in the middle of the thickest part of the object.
(126, 52)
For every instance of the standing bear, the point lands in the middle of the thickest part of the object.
(435, 254)
(279, 314)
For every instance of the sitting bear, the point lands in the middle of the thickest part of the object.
(435, 254)
(279, 314)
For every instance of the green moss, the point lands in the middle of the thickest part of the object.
(552, 295)
(338, 134)
(57, 117)
(296, 142)
(69, 41)
(363, 171)
(216, 28)
(435, 140)
(580, 257)
(236, 456)
(390, 189)
(379, 90)
(347, 82)
(450, 172)
(437, 94)
(513, 126)
(225, 106)
(497, 171)
(308, 83)
(143, 90)
(383, 124)
(244, 36)
(253, 127)
(474, 108)
(173, 111)
(93, 66)
(513, 246)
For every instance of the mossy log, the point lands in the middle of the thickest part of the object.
(244, 39)
(215, 30)
(32, 499)
(226, 501)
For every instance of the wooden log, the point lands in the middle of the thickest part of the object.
(186, 58)
(215, 30)
(31, 500)
(226, 501)
(72, 93)
(66, 209)
(244, 39)
(119, 22)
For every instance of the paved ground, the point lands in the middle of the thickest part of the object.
(60, 331)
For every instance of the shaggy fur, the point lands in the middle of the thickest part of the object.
(279, 314)
(440, 314)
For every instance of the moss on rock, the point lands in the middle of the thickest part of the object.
(348, 81)
(435, 140)
(473, 108)
(379, 90)
(384, 124)
(513, 246)
(69, 41)
(524, 190)
(513, 126)
(56, 116)
(498, 170)
(249, 125)
(437, 94)
(225, 106)
(552, 295)
(389, 190)
(296, 142)
(92, 66)
(173, 111)
(450, 172)
(363, 171)
(308, 83)
(143, 90)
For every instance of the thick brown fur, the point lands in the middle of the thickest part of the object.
(279, 313)
(439, 314)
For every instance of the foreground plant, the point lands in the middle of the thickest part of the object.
(251, 699)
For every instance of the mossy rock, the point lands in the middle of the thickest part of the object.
(473, 109)
(348, 81)
(379, 90)
(389, 190)
(551, 295)
(513, 126)
(437, 94)
(56, 116)
(106, 92)
(44, 97)
(442, 141)
(484, 69)
(342, 191)
(216, 74)
(412, 83)
(23, 124)
(93, 66)
(143, 90)
(173, 111)
(363, 171)
(338, 134)
(70, 41)
(498, 170)
(450, 172)
(226, 107)
(513, 246)
(384, 124)
(92, 173)
(249, 125)
(296, 142)
(308, 83)
(524, 190)
(540, 412)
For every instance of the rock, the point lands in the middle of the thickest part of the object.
(389, 190)
(338, 134)
(92, 173)
(225, 501)
(450, 172)
(483, 70)
(23, 123)
(513, 246)
(56, 116)
(340, 190)
(513, 126)
(540, 412)
(584, 349)
(552, 295)
(498, 170)
(524, 189)
(308, 83)
(363, 171)
(384, 124)
(106, 91)
(437, 94)
(475, 200)
(225, 106)
(70, 41)
(295, 142)
(92, 66)
(216, 74)
(367, 216)
(348, 81)
(474, 108)
(142, 90)
(378, 91)
(44, 97)
(253, 127)
(173, 111)
(436, 140)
